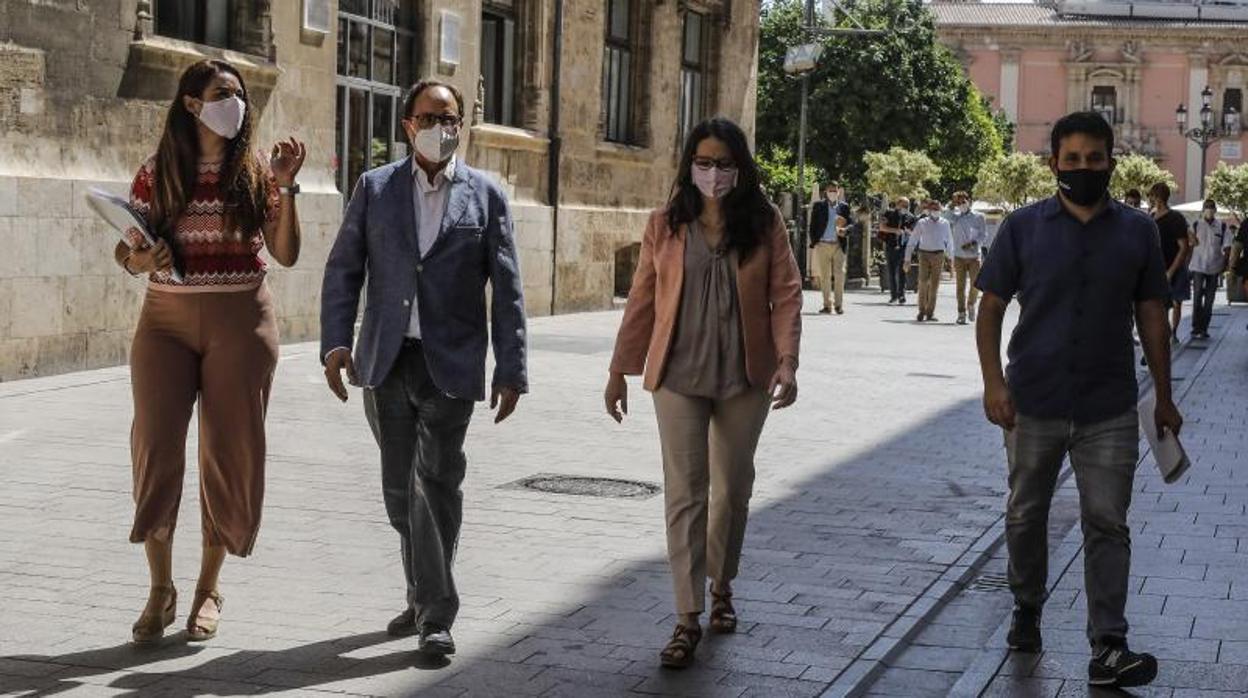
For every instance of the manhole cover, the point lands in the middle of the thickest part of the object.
(990, 582)
(587, 486)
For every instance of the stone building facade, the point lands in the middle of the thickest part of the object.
(84, 87)
(1038, 63)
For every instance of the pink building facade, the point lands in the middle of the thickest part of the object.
(1038, 65)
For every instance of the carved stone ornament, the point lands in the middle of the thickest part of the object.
(1131, 51)
(1078, 51)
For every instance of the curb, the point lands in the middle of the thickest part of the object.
(987, 664)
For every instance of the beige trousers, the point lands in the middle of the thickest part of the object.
(966, 270)
(931, 266)
(830, 266)
(708, 477)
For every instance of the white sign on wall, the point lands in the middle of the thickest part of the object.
(449, 53)
(1232, 150)
(316, 16)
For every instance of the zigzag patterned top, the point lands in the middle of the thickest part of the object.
(213, 259)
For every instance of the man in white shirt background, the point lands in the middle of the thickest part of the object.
(1209, 260)
(933, 238)
(968, 237)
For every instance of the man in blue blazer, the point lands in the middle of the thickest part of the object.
(425, 234)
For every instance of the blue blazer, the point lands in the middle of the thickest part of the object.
(377, 245)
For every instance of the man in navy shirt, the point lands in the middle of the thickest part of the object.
(1082, 266)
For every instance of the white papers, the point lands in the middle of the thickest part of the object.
(1168, 453)
(118, 213)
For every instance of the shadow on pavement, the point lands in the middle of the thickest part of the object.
(826, 567)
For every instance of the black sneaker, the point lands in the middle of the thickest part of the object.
(435, 639)
(1119, 667)
(1025, 630)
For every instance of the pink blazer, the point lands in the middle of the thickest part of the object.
(769, 289)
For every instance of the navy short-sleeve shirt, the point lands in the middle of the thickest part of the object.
(1071, 355)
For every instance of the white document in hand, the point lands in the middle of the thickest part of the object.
(1171, 459)
(118, 213)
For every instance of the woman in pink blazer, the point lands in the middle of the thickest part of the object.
(713, 322)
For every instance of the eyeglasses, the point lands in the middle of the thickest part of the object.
(429, 120)
(705, 164)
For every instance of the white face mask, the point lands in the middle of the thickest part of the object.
(224, 117)
(963, 209)
(436, 144)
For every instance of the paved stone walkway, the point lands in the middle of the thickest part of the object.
(1189, 565)
(1189, 592)
(878, 484)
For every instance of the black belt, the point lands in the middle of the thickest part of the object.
(411, 343)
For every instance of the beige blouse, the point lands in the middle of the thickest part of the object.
(708, 354)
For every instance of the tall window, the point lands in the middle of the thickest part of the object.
(617, 72)
(1233, 98)
(1105, 102)
(201, 21)
(693, 73)
(376, 63)
(498, 61)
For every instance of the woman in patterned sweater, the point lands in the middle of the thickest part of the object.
(213, 205)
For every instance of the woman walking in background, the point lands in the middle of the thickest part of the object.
(714, 322)
(213, 205)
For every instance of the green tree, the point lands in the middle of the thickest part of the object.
(870, 93)
(900, 172)
(1138, 172)
(1014, 180)
(1229, 187)
(778, 168)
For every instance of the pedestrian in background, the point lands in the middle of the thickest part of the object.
(1081, 266)
(968, 238)
(713, 322)
(1176, 247)
(895, 232)
(829, 238)
(1210, 254)
(1132, 199)
(426, 233)
(213, 203)
(933, 238)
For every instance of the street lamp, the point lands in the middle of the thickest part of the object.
(1206, 134)
(801, 60)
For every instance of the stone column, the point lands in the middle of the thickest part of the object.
(1010, 59)
(1198, 77)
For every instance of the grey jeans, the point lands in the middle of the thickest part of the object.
(1103, 456)
(1205, 296)
(420, 431)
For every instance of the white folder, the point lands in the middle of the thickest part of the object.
(1168, 453)
(118, 213)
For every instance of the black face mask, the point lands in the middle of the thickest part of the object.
(1084, 187)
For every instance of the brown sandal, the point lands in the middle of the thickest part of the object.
(200, 629)
(149, 628)
(723, 616)
(679, 651)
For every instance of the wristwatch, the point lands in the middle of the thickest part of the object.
(289, 191)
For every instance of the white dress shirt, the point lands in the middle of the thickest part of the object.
(931, 236)
(429, 200)
(1213, 242)
(968, 229)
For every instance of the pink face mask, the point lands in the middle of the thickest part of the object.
(713, 182)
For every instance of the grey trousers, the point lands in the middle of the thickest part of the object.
(1103, 456)
(1205, 296)
(420, 431)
